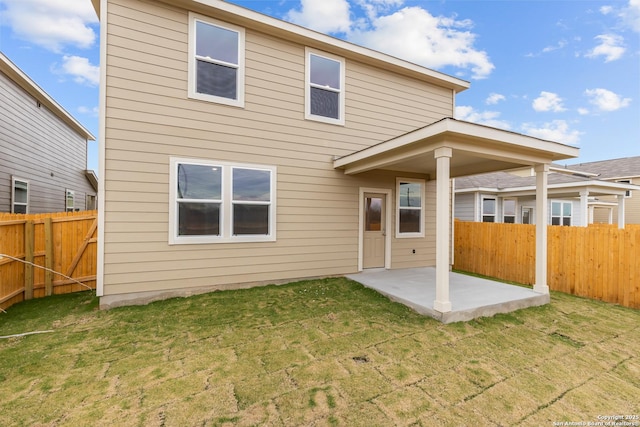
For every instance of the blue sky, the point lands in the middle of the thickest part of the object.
(567, 71)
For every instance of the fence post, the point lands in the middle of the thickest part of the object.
(28, 257)
(48, 256)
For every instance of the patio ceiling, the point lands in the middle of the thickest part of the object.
(476, 149)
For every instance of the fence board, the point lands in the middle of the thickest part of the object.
(599, 262)
(64, 242)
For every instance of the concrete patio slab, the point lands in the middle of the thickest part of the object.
(471, 297)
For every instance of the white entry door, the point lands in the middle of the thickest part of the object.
(374, 230)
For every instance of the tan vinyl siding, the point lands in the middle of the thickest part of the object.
(37, 146)
(631, 207)
(149, 118)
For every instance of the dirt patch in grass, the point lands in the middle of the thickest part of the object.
(324, 352)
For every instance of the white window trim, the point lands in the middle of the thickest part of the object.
(68, 192)
(192, 67)
(226, 215)
(495, 214)
(422, 183)
(561, 216)
(307, 88)
(13, 194)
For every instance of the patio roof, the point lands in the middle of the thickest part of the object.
(449, 148)
(476, 149)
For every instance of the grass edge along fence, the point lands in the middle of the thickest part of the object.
(60, 242)
(598, 262)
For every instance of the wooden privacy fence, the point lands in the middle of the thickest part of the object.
(61, 242)
(600, 262)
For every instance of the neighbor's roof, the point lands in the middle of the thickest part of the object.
(18, 76)
(626, 167)
(505, 180)
(295, 33)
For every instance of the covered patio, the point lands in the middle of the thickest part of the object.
(471, 297)
(447, 149)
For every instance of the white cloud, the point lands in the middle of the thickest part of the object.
(409, 33)
(494, 98)
(559, 45)
(610, 47)
(488, 118)
(327, 16)
(52, 24)
(630, 15)
(583, 111)
(605, 100)
(557, 130)
(413, 34)
(91, 111)
(81, 70)
(605, 10)
(548, 101)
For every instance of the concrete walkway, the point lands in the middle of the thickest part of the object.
(471, 297)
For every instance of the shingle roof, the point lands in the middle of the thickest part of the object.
(501, 180)
(614, 168)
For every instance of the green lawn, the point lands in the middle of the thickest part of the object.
(323, 352)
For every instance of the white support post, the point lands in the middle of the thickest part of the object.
(591, 214)
(584, 207)
(621, 218)
(443, 216)
(542, 217)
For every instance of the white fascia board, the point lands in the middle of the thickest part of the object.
(571, 172)
(446, 80)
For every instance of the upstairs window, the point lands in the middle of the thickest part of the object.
(410, 208)
(488, 209)
(220, 202)
(19, 196)
(216, 61)
(561, 213)
(324, 89)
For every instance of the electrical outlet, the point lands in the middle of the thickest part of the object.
(413, 251)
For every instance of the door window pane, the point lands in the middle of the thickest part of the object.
(373, 214)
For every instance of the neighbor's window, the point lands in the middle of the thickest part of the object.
(91, 202)
(561, 213)
(69, 200)
(221, 202)
(509, 211)
(410, 207)
(19, 195)
(626, 181)
(324, 89)
(488, 209)
(216, 61)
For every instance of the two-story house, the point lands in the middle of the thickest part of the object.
(240, 150)
(43, 150)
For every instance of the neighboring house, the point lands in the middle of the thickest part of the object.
(574, 197)
(241, 150)
(626, 171)
(43, 150)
